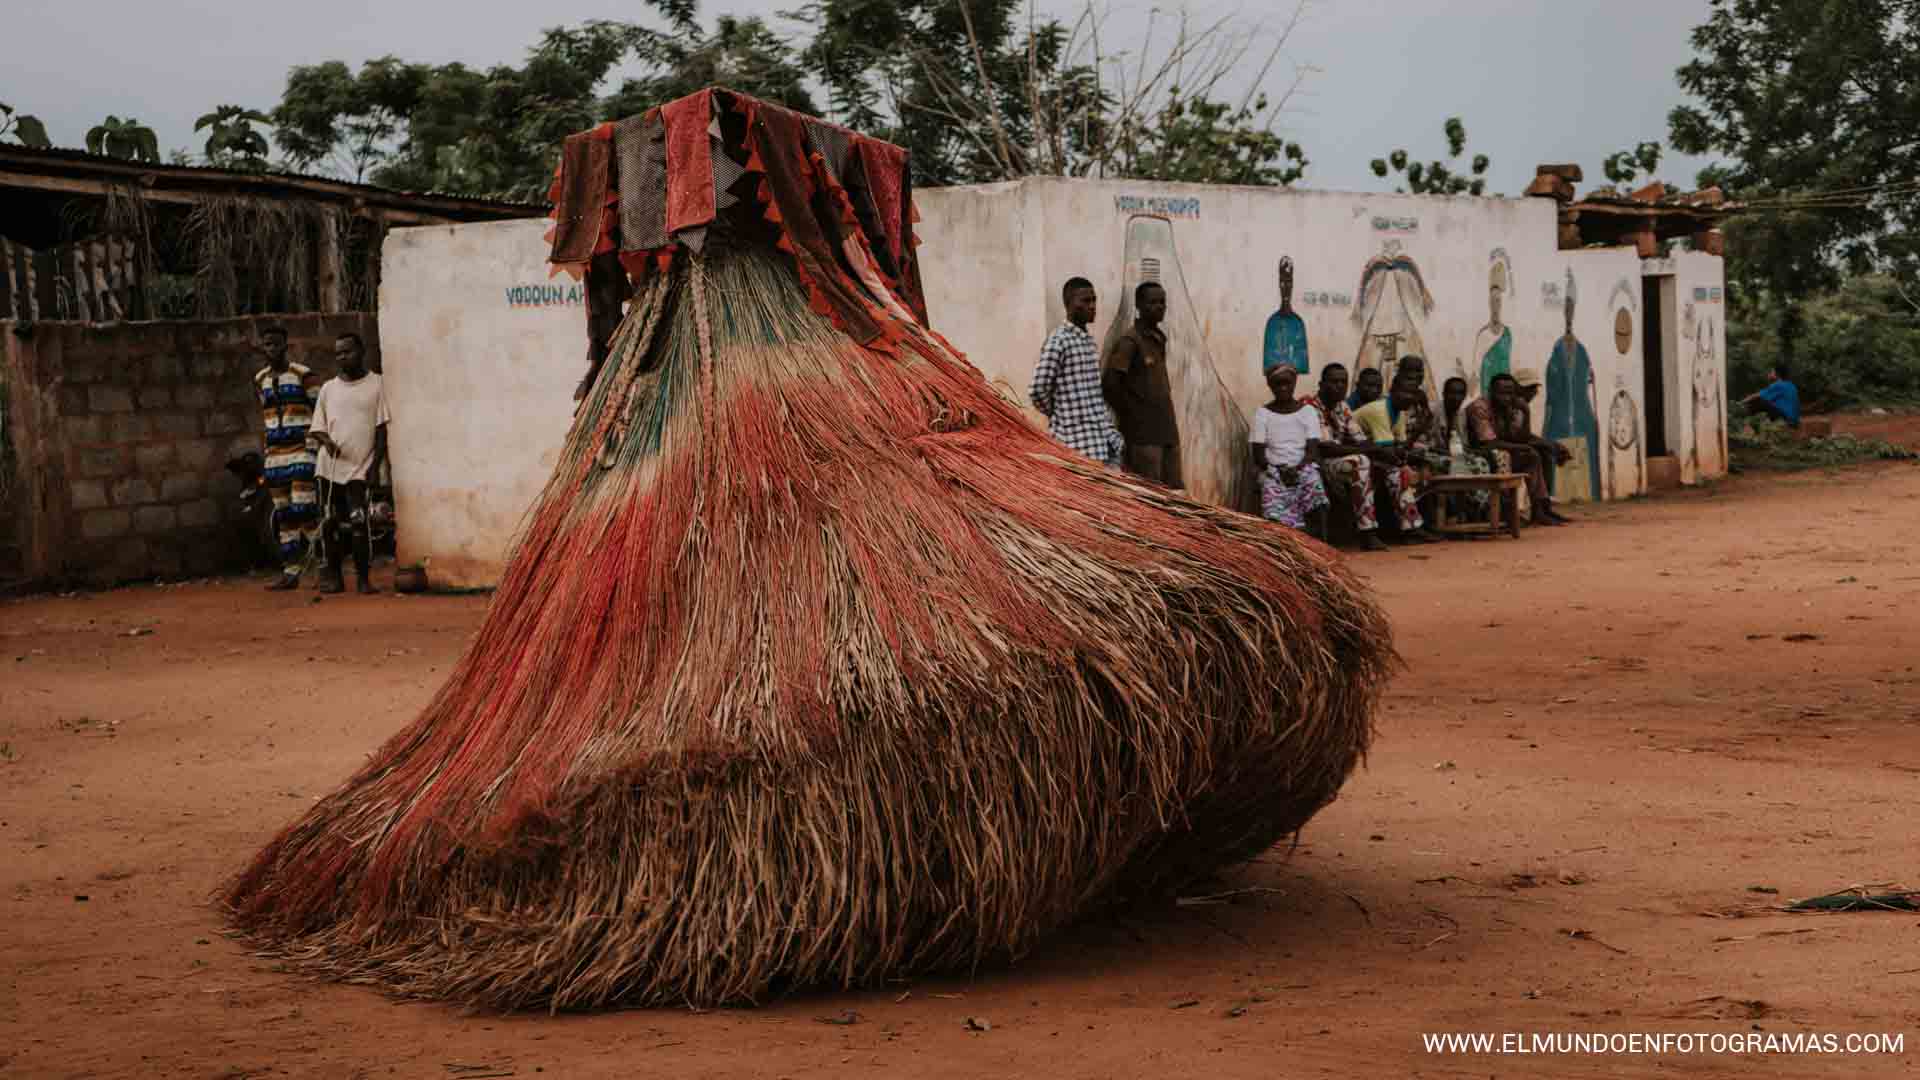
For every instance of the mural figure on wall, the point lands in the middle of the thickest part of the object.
(1572, 412)
(1286, 337)
(1213, 432)
(1392, 303)
(1623, 434)
(1493, 345)
(1709, 404)
(1626, 308)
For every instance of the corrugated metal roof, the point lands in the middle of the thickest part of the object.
(86, 163)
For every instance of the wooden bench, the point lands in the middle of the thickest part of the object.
(1500, 487)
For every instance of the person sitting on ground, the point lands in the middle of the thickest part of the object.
(1345, 460)
(1780, 399)
(1367, 388)
(1285, 446)
(1385, 423)
(350, 427)
(1490, 429)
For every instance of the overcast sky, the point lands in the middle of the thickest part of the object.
(1534, 80)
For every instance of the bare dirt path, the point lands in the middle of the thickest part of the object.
(1621, 728)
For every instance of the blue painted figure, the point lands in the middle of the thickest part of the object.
(1572, 417)
(1493, 345)
(1286, 339)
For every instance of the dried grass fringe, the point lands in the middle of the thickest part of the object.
(254, 255)
(816, 666)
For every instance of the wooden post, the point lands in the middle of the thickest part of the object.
(139, 302)
(376, 241)
(9, 292)
(105, 302)
(332, 299)
(78, 278)
(43, 276)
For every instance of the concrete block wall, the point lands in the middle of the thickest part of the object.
(119, 436)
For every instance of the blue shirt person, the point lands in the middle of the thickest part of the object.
(1286, 338)
(1780, 400)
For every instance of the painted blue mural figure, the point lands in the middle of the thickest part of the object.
(1494, 342)
(1286, 338)
(1572, 417)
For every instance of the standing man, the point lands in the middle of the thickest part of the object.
(286, 392)
(1134, 381)
(350, 426)
(1066, 381)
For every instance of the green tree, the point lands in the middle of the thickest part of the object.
(450, 127)
(978, 91)
(127, 139)
(1200, 141)
(1622, 166)
(740, 54)
(1438, 177)
(329, 118)
(232, 139)
(24, 128)
(1815, 106)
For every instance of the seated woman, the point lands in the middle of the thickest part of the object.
(1286, 450)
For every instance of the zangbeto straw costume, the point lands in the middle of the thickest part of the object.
(815, 663)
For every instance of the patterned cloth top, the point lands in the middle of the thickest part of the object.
(1337, 419)
(286, 405)
(1066, 389)
(631, 193)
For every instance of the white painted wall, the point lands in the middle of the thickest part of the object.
(1230, 241)
(481, 386)
(480, 383)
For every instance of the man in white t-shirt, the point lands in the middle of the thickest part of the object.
(350, 426)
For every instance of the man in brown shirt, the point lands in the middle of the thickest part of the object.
(1499, 427)
(1133, 379)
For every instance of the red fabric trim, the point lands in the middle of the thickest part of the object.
(776, 143)
(581, 194)
(885, 165)
(690, 195)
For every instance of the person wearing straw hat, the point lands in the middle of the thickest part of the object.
(1522, 429)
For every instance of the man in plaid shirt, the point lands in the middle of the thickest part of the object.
(1066, 382)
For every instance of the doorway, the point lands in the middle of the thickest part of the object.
(1655, 297)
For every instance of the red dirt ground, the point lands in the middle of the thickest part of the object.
(1609, 728)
